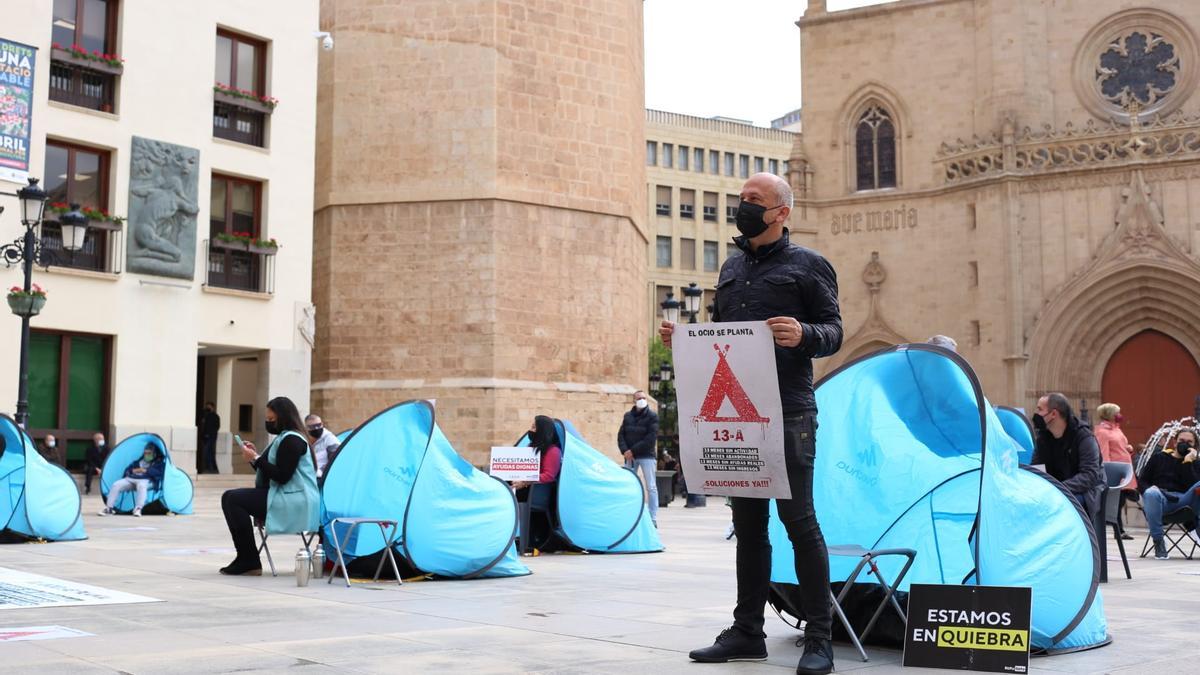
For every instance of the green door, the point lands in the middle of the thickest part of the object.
(81, 388)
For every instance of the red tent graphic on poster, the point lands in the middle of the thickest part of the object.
(725, 385)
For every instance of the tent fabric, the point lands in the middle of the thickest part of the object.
(601, 505)
(173, 495)
(911, 455)
(455, 521)
(38, 500)
(1018, 427)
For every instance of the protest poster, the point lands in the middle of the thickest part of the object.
(983, 628)
(730, 415)
(16, 109)
(515, 464)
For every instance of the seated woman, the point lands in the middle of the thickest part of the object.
(144, 474)
(285, 492)
(544, 438)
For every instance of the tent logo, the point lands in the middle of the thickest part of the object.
(725, 386)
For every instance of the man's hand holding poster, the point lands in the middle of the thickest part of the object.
(730, 416)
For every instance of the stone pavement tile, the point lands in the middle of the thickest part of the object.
(224, 659)
(443, 661)
(116, 644)
(384, 648)
(486, 638)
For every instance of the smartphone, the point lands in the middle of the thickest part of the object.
(239, 440)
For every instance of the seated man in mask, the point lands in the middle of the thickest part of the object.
(1168, 482)
(325, 443)
(1066, 446)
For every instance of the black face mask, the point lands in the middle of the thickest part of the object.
(273, 427)
(1039, 422)
(533, 438)
(315, 432)
(750, 219)
(1183, 446)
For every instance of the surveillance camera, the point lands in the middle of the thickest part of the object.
(326, 39)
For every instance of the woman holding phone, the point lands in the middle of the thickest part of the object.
(285, 493)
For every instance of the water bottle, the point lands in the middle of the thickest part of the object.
(303, 567)
(318, 563)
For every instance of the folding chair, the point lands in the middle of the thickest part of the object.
(306, 538)
(1119, 474)
(868, 558)
(1176, 526)
(544, 494)
(388, 529)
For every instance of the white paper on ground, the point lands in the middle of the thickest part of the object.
(22, 589)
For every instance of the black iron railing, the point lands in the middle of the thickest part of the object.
(240, 269)
(81, 86)
(238, 124)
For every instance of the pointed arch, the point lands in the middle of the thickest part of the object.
(872, 123)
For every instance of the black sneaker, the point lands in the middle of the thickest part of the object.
(732, 645)
(1160, 550)
(243, 568)
(818, 657)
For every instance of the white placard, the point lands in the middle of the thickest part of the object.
(513, 464)
(21, 633)
(730, 415)
(23, 590)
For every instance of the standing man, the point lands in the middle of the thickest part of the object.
(1068, 449)
(93, 461)
(638, 441)
(794, 289)
(210, 425)
(325, 443)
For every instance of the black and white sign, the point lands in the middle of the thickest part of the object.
(24, 590)
(984, 628)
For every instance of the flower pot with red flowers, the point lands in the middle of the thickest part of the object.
(97, 218)
(245, 241)
(76, 55)
(26, 304)
(244, 99)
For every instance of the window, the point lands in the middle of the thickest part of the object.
(663, 246)
(240, 64)
(711, 253)
(729, 164)
(971, 224)
(687, 204)
(976, 333)
(731, 207)
(684, 153)
(651, 153)
(774, 166)
(77, 175)
(245, 417)
(714, 162)
(744, 166)
(662, 201)
(758, 165)
(69, 380)
(875, 150)
(698, 160)
(710, 207)
(92, 25)
(973, 274)
(235, 209)
(710, 302)
(687, 254)
(668, 155)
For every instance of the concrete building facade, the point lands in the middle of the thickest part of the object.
(480, 223)
(174, 306)
(1021, 175)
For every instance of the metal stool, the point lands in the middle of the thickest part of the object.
(306, 538)
(389, 540)
(867, 558)
(1175, 533)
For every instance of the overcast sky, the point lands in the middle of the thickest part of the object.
(733, 58)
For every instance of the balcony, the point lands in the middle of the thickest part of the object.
(240, 267)
(238, 124)
(102, 251)
(84, 82)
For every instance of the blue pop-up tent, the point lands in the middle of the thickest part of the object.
(911, 455)
(1017, 426)
(600, 505)
(38, 500)
(173, 494)
(455, 521)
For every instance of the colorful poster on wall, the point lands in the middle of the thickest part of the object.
(16, 109)
(730, 414)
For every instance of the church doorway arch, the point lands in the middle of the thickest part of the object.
(1153, 378)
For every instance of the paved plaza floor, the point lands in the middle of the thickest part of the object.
(575, 614)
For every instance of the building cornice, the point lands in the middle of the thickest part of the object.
(680, 120)
(871, 11)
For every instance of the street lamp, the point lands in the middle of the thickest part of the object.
(670, 308)
(691, 300)
(664, 372)
(26, 251)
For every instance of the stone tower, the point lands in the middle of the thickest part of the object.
(479, 219)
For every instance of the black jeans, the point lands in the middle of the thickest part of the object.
(210, 455)
(239, 506)
(750, 517)
(89, 472)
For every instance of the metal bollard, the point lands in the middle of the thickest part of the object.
(318, 563)
(303, 567)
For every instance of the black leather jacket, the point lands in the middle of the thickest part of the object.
(784, 279)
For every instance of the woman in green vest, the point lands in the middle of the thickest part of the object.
(285, 488)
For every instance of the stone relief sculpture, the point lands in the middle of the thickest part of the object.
(163, 189)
